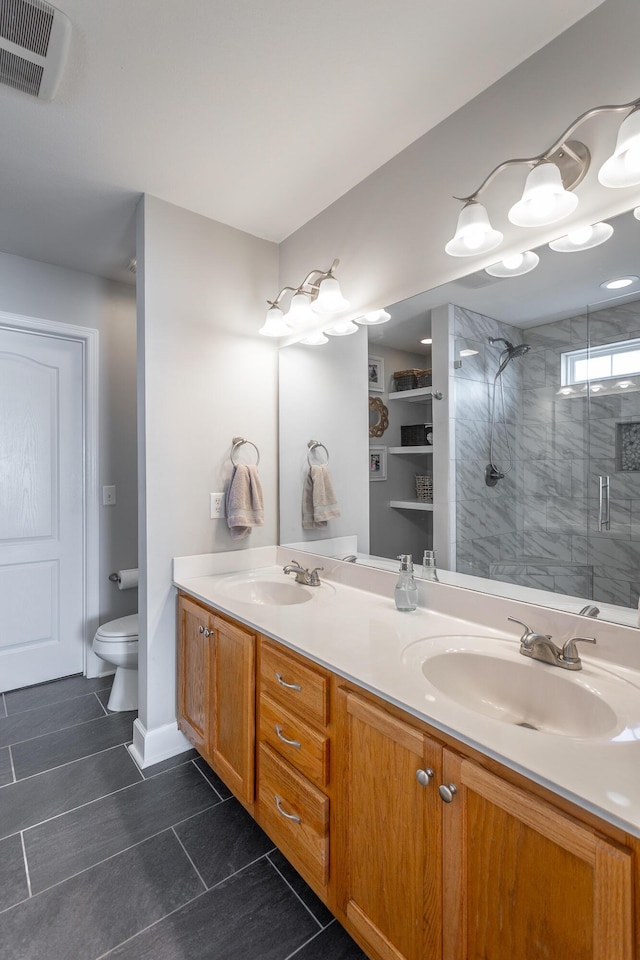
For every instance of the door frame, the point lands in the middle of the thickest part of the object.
(89, 340)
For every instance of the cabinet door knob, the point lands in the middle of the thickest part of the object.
(207, 632)
(447, 791)
(200, 629)
(289, 816)
(281, 736)
(424, 777)
(289, 686)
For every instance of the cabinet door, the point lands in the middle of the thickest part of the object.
(522, 880)
(193, 672)
(233, 708)
(389, 856)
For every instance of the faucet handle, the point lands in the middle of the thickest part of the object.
(522, 624)
(529, 635)
(314, 579)
(569, 650)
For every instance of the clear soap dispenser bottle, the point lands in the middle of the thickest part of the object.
(406, 593)
(429, 570)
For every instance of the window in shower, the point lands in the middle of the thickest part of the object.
(611, 361)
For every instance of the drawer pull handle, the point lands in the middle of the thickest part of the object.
(289, 686)
(289, 816)
(281, 736)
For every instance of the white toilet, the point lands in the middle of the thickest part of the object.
(116, 642)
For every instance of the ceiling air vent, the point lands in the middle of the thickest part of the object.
(34, 40)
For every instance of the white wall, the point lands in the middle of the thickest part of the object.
(205, 376)
(389, 231)
(323, 396)
(34, 289)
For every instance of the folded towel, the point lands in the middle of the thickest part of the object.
(319, 502)
(245, 506)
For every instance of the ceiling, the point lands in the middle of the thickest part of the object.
(256, 114)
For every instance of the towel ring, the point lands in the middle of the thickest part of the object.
(313, 445)
(238, 442)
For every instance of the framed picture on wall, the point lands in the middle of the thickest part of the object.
(377, 463)
(376, 374)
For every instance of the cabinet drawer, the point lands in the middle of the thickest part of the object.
(298, 687)
(295, 814)
(307, 749)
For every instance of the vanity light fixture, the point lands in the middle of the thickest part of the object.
(318, 296)
(552, 177)
(583, 238)
(636, 213)
(514, 266)
(341, 328)
(315, 339)
(373, 317)
(427, 340)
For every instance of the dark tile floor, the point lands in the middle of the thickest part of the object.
(100, 859)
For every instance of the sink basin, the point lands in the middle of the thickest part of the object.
(269, 588)
(490, 677)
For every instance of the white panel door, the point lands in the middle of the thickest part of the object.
(42, 608)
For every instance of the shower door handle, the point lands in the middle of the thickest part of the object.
(604, 507)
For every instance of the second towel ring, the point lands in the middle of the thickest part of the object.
(313, 445)
(238, 442)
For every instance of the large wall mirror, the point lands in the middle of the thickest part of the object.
(524, 473)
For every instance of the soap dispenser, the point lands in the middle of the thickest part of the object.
(429, 571)
(406, 593)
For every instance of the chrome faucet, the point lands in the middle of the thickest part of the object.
(589, 611)
(309, 578)
(540, 646)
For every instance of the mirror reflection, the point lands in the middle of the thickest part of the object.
(520, 464)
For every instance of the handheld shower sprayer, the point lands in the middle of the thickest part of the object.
(492, 472)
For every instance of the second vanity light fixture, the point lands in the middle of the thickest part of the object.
(547, 196)
(317, 306)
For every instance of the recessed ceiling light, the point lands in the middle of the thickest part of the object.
(427, 340)
(618, 283)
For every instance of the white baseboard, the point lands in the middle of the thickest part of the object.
(152, 746)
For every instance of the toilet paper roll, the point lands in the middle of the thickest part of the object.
(127, 579)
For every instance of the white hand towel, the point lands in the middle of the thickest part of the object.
(245, 506)
(319, 502)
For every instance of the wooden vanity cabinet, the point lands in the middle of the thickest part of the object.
(216, 694)
(523, 880)
(423, 848)
(293, 760)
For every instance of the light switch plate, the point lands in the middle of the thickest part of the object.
(108, 496)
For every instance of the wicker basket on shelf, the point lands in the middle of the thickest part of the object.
(424, 488)
(408, 379)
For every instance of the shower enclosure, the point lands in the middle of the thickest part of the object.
(547, 452)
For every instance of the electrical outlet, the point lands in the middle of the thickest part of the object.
(216, 506)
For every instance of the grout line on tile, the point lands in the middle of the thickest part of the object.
(205, 777)
(151, 776)
(95, 693)
(59, 766)
(13, 769)
(54, 703)
(307, 942)
(282, 877)
(26, 864)
(69, 726)
(239, 870)
(188, 856)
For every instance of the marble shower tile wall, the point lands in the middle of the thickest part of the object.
(489, 520)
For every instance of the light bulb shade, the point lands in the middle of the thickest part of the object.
(375, 316)
(275, 325)
(544, 199)
(315, 339)
(300, 311)
(636, 213)
(474, 234)
(329, 299)
(514, 266)
(622, 169)
(582, 239)
(342, 328)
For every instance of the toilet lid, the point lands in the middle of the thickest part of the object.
(117, 629)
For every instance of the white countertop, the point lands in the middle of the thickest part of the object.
(358, 634)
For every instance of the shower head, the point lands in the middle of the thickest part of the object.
(509, 352)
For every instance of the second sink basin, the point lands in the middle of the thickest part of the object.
(490, 677)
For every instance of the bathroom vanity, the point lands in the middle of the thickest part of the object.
(424, 840)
